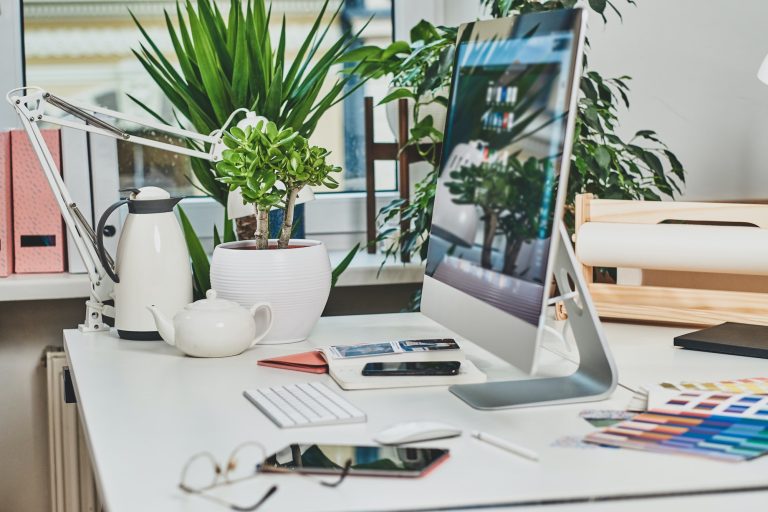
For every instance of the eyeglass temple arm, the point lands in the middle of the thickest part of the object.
(272, 490)
(344, 473)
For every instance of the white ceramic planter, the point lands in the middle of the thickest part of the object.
(294, 282)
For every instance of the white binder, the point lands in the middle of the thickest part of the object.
(77, 177)
(105, 183)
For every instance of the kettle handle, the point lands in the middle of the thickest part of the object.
(100, 240)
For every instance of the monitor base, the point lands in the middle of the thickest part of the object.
(596, 377)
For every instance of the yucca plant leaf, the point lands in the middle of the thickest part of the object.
(215, 35)
(233, 25)
(220, 23)
(160, 80)
(202, 171)
(343, 264)
(186, 37)
(296, 116)
(209, 69)
(162, 61)
(279, 57)
(177, 93)
(201, 267)
(259, 81)
(242, 73)
(187, 68)
(229, 229)
(297, 60)
(146, 109)
(318, 41)
(274, 96)
(171, 76)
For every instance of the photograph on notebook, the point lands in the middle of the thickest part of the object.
(495, 197)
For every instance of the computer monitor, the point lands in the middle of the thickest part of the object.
(502, 183)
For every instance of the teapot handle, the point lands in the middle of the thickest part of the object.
(268, 309)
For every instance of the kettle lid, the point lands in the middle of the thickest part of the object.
(212, 303)
(150, 200)
(149, 194)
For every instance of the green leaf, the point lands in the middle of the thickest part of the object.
(344, 264)
(210, 68)
(360, 53)
(398, 94)
(598, 5)
(201, 267)
(424, 31)
(395, 48)
(603, 157)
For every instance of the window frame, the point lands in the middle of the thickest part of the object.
(322, 215)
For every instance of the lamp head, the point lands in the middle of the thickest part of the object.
(762, 73)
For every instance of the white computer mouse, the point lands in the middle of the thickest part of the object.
(416, 431)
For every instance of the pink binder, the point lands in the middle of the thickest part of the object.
(6, 221)
(38, 229)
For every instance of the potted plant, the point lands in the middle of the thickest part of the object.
(233, 61)
(270, 166)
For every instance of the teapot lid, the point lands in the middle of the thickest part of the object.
(212, 303)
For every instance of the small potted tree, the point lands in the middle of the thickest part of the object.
(270, 165)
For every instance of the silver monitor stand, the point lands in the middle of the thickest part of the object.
(595, 378)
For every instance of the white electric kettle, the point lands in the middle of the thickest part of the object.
(152, 263)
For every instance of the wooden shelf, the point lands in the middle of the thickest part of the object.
(44, 286)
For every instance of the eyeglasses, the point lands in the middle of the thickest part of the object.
(202, 473)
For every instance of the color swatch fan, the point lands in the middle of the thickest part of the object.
(713, 424)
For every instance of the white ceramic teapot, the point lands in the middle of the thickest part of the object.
(214, 327)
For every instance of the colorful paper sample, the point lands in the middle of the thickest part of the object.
(725, 438)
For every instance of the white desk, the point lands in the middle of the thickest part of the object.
(146, 409)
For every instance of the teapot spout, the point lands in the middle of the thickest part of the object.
(164, 325)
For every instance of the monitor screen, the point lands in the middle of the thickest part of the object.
(497, 193)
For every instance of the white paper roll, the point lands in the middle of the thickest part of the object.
(682, 247)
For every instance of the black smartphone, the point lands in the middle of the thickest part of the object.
(421, 368)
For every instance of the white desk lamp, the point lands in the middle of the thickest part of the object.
(30, 103)
(762, 73)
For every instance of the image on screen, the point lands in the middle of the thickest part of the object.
(318, 458)
(495, 201)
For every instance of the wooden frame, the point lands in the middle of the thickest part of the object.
(387, 151)
(657, 303)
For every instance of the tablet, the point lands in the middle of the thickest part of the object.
(365, 460)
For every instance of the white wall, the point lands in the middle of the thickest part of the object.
(693, 64)
(10, 58)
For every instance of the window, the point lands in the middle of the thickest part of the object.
(82, 49)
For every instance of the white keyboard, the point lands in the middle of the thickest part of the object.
(304, 405)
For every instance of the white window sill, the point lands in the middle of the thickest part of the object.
(361, 272)
(364, 270)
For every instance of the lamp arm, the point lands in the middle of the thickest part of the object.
(29, 103)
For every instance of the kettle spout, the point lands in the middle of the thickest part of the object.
(164, 325)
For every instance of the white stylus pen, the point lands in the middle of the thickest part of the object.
(506, 445)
